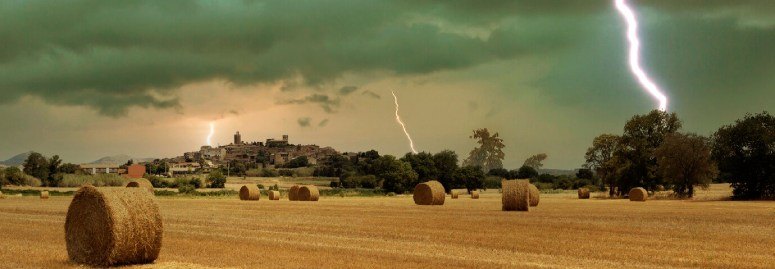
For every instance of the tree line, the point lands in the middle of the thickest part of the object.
(652, 153)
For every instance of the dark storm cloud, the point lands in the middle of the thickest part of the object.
(327, 103)
(304, 122)
(113, 55)
(347, 90)
(371, 94)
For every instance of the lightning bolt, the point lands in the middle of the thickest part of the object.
(632, 37)
(398, 119)
(210, 136)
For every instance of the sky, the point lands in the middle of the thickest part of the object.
(87, 79)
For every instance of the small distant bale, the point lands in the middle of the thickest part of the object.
(140, 183)
(274, 195)
(308, 193)
(293, 193)
(638, 194)
(106, 227)
(44, 195)
(1, 195)
(249, 192)
(583, 193)
(453, 194)
(516, 195)
(474, 194)
(429, 193)
(660, 188)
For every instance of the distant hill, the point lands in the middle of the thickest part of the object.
(16, 160)
(558, 172)
(120, 159)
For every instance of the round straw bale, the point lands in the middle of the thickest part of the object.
(429, 193)
(249, 192)
(474, 194)
(660, 187)
(308, 193)
(293, 193)
(274, 195)
(140, 183)
(453, 194)
(535, 195)
(516, 195)
(44, 195)
(638, 194)
(1, 195)
(106, 227)
(583, 193)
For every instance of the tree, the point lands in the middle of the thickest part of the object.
(527, 172)
(216, 179)
(489, 155)
(745, 152)
(37, 166)
(423, 164)
(69, 168)
(14, 176)
(600, 158)
(472, 177)
(684, 161)
(446, 167)
(643, 134)
(397, 176)
(301, 161)
(585, 173)
(535, 161)
(54, 177)
(499, 172)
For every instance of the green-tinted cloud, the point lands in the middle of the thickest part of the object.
(112, 55)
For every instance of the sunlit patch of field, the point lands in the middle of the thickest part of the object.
(391, 232)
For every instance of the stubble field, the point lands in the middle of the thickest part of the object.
(392, 232)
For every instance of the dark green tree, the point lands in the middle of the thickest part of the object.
(37, 166)
(396, 176)
(216, 179)
(745, 152)
(527, 172)
(301, 161)
(643, 134)
(423, 164)
(684, 161)
(601, 158)
(471, 177)
(446, 163)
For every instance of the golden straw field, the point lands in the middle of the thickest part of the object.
(392, 232)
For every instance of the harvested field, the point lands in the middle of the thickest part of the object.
(392, 232)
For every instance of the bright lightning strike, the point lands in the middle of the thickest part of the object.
(632, 37)
(398, 119)
(210, 136)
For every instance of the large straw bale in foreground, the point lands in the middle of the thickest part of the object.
(638, 194)
(583, 193)
(140, 183)
(474, 194)
(535, 195)
(274, 195)
(293, 193)
(44, 195)
(429, 193)
(516, 195)
(308, 193)
(249, 192)
(106, 227)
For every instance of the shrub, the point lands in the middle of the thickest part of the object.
(216, 179)
(187, 189)
(543, 186)
(260, 186)
(269, 173)
(492, 182)
(99, 180)
(156, 181)
(285, 172)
